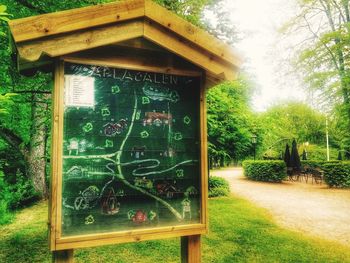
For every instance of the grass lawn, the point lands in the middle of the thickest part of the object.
(239, 232)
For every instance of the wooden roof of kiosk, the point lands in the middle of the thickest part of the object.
(104, 33)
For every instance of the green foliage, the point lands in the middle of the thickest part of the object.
(317, 164)
(337, 174)
(5, 197)
(266, 171)
(323, 60)
(319, 152)
(22, 192)
(230, 120)
(292, 120)
(191, 10)
(218, 187)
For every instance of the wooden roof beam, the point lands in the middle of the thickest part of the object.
(203, 59)
(34, 27)
(55, 46)
(192, 33)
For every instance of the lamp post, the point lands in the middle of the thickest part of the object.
(253, 140)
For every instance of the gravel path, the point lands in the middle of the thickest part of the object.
(309, 208)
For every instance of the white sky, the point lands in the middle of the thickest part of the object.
(265, 54)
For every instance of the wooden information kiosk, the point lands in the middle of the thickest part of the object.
(129, 138)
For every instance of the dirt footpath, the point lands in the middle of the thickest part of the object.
(309, 208)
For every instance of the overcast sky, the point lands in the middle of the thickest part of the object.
(264, 51)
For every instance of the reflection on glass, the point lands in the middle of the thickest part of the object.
(130, 150)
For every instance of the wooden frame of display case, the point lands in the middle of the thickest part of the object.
(133, 34)
(57, 242)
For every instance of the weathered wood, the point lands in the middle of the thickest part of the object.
(140, 43)
(57, 242)
(65, 243)
(55, 153)
(36, 27)
(75, 19)
(64, 44)
(63, 256)
(204, 156)
(211, 80)
(52, 35)
(129, 58)
(192, 33)
(191, 249)
(185, 49)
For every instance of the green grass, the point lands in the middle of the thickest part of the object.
(239, 232)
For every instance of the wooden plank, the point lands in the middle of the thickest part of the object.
(211, 80)
(191, 249)
(59, 139)
(192, 33)
(63, 256)
(128, 58)
(204, 157)
(141, 43)
(75, 19)
(185, 49)
(125, 239)
(54, 164)
(178, 230)
(61, 45)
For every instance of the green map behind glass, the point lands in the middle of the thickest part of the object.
(131, 156)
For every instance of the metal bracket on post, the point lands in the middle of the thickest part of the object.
(191, 249)
(63, 256)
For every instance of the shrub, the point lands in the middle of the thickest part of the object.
(5, 196)
(266, 171)
(337, 174)
(318, 152)
(218, 187)
(317, 164)
(22, 192)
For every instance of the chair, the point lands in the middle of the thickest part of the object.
(317, 176)
(305, 172)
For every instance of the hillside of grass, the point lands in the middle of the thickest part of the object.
(239, 232)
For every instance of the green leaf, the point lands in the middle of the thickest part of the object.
(4, 18)
(3, 8)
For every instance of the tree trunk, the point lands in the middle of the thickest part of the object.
(36, 158)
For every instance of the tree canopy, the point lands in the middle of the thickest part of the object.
(323, 54)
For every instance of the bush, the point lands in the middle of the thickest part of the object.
(317, 164)
(318, 152)
(218, 187)
(265, 171)
(22, 192)
(337, 174)
(5, 196)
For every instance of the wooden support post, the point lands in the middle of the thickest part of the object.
(63, 256)
(191, 249)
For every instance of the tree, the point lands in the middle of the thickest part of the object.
(304, 157)
(27, 127)
(191, 10)
(294, 157)
(286, 121)
(286, 157)
(230, 120)
(324, 52)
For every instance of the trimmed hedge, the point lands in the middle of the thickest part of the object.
(337, 174)
(218, 187)
(265, 171)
